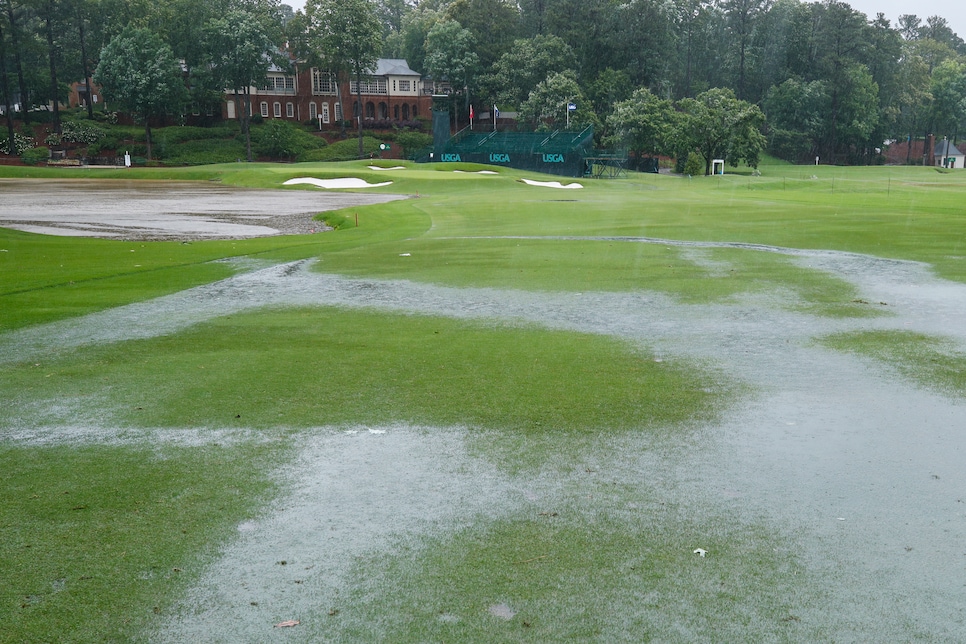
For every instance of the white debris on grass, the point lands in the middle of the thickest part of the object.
(700, 552)
(552, 184)
(335, 184)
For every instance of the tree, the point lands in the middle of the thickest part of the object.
(642, 124)
(948, 89)
(140, 73)
(717, 125)
(495, 24)
(914, 98)
(529, 61)
(742, 18)
(239, 56)
(795, 111)
(348, 35)
(549, 100)
(5, 90)
(450, 55)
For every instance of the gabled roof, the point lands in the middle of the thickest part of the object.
(393, 67)
(942, 151)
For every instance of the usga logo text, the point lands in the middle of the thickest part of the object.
(450, 157)
(499, 158)
(553, 158)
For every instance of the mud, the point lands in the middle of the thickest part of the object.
(148, 210)
(859, 470)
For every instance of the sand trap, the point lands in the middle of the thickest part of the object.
(395, 167)
(552, 184)
(328, 184)
(475, 172)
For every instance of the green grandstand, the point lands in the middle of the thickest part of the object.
(560, 152)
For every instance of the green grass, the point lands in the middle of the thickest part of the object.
(312, 367)
(95, 542)
(102, 556)
(932, 362)
(571, 576)
(293, 369)
(45, 278)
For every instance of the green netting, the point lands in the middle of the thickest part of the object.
(560, 152)
(559, 142)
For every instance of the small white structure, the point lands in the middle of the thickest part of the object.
(717, 166)
(948, 156)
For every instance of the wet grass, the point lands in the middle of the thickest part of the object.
(693, 276)
(932, 362)
(579, 575)
(95, 542)
(314, 367)
(103, 556)
(45, 278)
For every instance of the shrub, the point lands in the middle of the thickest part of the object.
(21, 144)
(200, 152)
(281, 139)
(694, 166)
(346, 150)
(81, 132)
(182, 133)
(410, 142)
(34, 156)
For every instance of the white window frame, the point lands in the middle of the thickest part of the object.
(313, 110)
(325, 112)
(323, 82)
(290, 110)
(277, 109)
(264, 109)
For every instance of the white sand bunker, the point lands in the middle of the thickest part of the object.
(476, 172)
(329, 184)
(395, 167)
(552, 184)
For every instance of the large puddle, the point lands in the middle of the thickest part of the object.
(158, 210)
(859, 469)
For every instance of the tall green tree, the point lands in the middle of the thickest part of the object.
(643, 124)
(139, 72)
(350, 35)
(796, 117)
(450, 55)
(5, 88)
(741, 17)
(717, 125)
(240, 52)
(529, 61)
(547, 106)
(948, 89)
(495, 24)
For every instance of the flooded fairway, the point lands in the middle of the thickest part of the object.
(829, 504)
(160, 210)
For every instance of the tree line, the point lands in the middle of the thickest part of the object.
(800, 79)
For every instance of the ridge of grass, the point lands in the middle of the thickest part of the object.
(932, 362)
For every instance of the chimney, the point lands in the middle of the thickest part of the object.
(930, 151)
